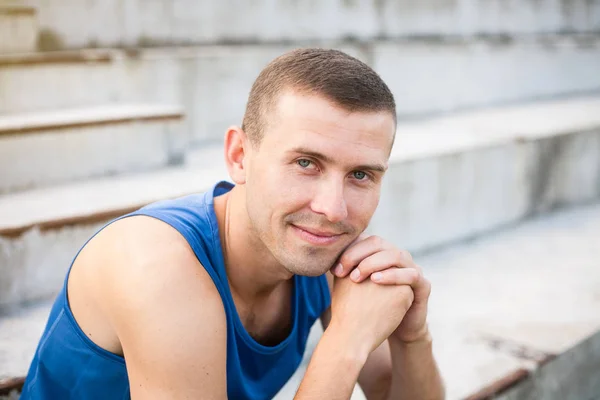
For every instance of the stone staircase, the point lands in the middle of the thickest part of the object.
(451, 179)
(66, 123)
(88, 134)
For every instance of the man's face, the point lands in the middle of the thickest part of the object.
(313, 184)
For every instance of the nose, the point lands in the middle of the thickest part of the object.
(329, 201)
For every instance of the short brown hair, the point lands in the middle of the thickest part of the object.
(342, 79)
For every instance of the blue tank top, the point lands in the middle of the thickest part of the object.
(68, 365)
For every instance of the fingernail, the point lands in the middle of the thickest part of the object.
(339, 269)
(377, 276)
(355, 275)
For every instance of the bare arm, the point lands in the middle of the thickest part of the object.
(374, 376)
(415, 374)
(376, 372)
(397, 370)
(333, 368)
(170, 320)
(353, 345)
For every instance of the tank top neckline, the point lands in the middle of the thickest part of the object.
(223, 187)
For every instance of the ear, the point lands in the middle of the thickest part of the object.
(236, 152)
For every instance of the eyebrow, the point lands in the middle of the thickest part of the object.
(315, 154)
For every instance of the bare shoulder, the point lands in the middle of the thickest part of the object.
(164, 308)
(139, 258)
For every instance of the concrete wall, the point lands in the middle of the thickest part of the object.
(425, 78)
(435, 200)
(46, 86)
(212, 82)
(446, 76)
(18, 29)
(72, 23)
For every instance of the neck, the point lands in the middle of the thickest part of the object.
(252, 271)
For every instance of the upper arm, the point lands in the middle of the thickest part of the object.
(170, 320)
(375, 377)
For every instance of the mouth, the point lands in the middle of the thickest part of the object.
(315, 236)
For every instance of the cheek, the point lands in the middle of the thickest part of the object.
(287, 189)
(362, 206)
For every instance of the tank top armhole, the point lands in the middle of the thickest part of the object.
(189, 237)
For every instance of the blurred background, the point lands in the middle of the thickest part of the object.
(494, 180)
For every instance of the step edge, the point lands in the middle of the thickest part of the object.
(152, 113)
(87, 56)
(107, 211)
(17, 9)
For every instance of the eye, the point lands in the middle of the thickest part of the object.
(360, 175)
(304, 163)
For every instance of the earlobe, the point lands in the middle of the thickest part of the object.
(235, 153)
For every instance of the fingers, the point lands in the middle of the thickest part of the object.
(377, 262)
(357, 252)
(381, 261)
(371, 256)
(396, 276)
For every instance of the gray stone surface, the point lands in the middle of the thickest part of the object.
(212, 82)
(55, 150)
(20, 331)
(575, 374)
(458, 74)
(18, 28)
(135, 22)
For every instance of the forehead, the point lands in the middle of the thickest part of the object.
(313, 121)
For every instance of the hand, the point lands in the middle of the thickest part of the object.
(363, 316)
(378, 260)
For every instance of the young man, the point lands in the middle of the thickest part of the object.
(212, 296)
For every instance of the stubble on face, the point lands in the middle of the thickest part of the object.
(279, 195)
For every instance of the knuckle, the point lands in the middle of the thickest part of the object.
(405, 255)
(346, 260)
(365, 267)
(415, 275)
(427, 287)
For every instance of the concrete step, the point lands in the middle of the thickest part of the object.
(456, 177)
(47, 148)
(514, 314)
(518, 307)
(450, 179)
(211, 82)
(51, 80)
(102, 23)
(40, 230)
(18, 28)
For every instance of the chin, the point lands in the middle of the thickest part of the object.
(301, 267)
(307, 260)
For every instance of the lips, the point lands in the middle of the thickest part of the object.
(318, 232)
(316, 237)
